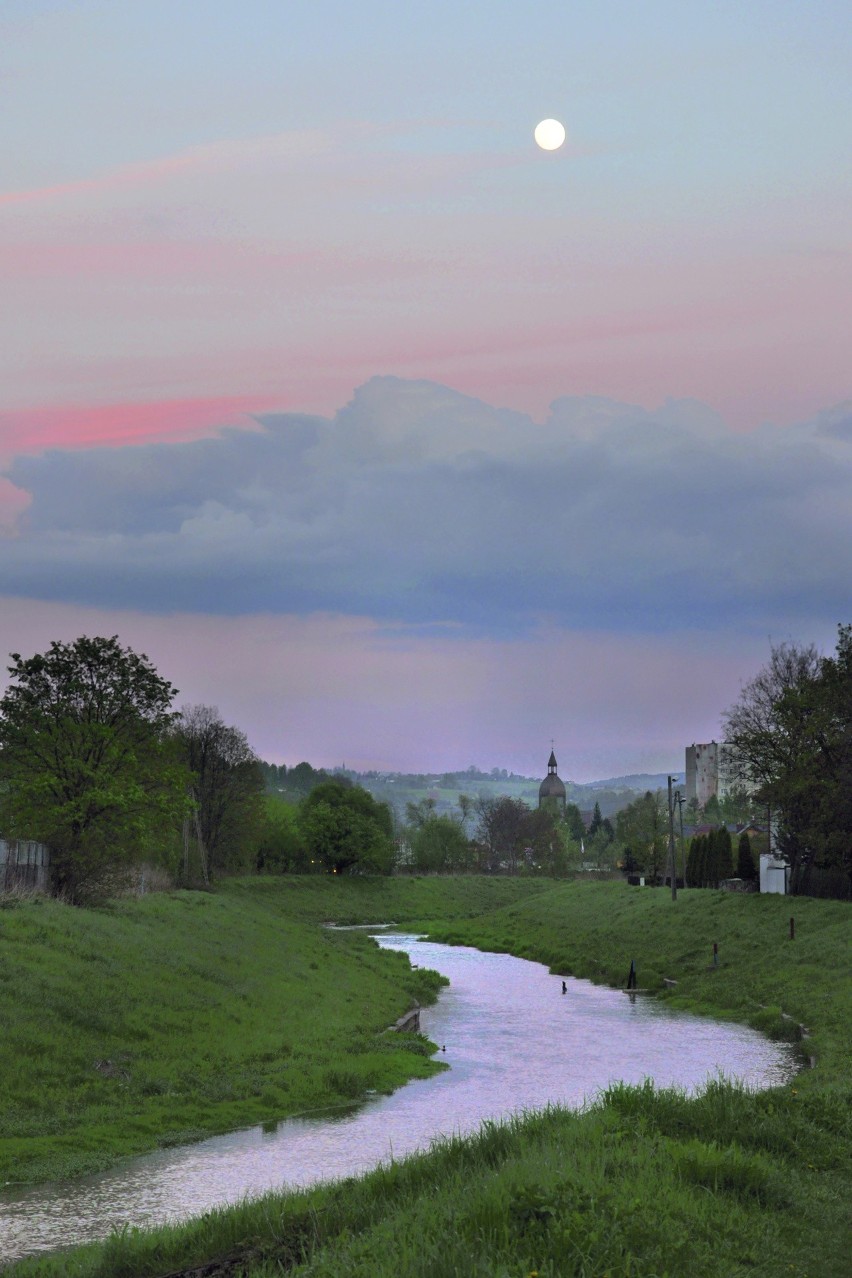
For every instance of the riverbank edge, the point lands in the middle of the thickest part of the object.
(814, 1127)
(725, 955)
(102, 1008)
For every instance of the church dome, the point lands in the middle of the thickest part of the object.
(551, 787)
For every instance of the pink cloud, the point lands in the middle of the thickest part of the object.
(77, 426)
(292, 267)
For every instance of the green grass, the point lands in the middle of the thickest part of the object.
(593, 930)
(158, 1021)
(645, 1184)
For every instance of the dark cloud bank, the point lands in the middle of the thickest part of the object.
(419, 504)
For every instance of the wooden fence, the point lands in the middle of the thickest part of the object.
(23, 863)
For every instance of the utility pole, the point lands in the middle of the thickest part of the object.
(672, 861)
(679, 800)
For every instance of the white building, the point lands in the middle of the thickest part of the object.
(774, 874)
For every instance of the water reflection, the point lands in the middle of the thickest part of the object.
(513, 1041)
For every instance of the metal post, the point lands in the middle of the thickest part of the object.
(672, 862)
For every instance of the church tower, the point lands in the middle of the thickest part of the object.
(551, 792)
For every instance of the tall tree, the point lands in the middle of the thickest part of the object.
(643, 827)
(87, 762)
(574, 822)
(792, 731)
(417, 814)
(279, 846)
(227, 786)
(745, 860)
(346, 830)
(439, 846)
(466, 807)
(724, 855)
(548, 849)
(504, 831)
(692, 871)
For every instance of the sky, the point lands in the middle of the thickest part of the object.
(403, 442)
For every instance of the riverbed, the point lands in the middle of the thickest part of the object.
(512, 1040)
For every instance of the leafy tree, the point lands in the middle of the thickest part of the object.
(824, 795)
(466, 807)
(600, 848)
(745, 860)
(574, 822)
(502, 830)
(87, 760)
(737, 806)
(439, 846)
(279, 846)
(303, 778)
(227, 786)
(547, 847)
(792, 730)
(417, 814)
(274, 775)
(345, 829)
(643, 827)
(712, 810)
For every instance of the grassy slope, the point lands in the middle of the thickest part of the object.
(594, 930)
(646, 1184)
(156, 1021)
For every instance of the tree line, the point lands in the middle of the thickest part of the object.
(96, 763)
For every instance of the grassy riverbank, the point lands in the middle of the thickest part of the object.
(645, 1184)
(156, 1021)
(763, 978)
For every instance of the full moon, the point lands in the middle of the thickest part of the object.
(549, 135)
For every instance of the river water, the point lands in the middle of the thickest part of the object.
(513, 1041)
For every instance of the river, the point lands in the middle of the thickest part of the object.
(512, 1040)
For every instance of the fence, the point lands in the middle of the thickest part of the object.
(23, 863)
(833, 883)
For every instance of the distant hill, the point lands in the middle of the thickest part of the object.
(640, 781)
(398, 789)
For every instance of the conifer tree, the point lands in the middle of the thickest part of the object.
(724, 855)
(711, 861)
(692, 863)
(745, 860)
